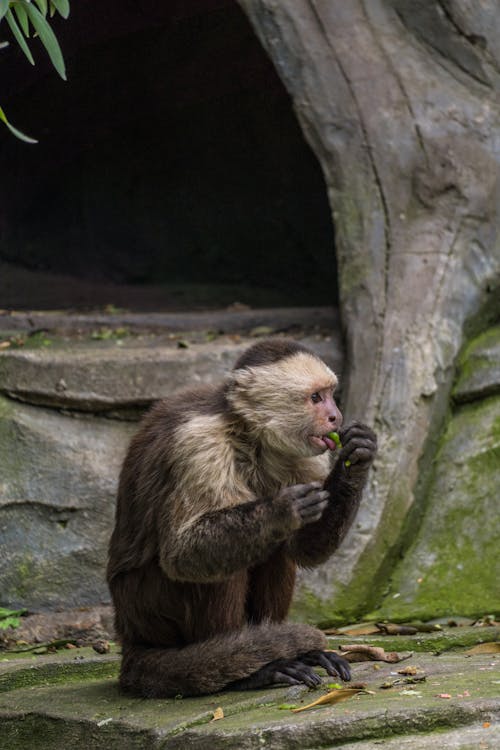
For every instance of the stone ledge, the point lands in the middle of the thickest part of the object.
(94, 378)
(223, 321)
(91, 713)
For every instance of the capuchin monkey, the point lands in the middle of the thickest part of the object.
(223, 493)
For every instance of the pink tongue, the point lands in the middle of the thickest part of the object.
(329, 443)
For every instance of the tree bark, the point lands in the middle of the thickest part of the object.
(400, 101)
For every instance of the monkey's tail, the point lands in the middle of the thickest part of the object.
(208, 666)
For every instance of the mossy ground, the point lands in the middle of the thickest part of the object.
(83, 708)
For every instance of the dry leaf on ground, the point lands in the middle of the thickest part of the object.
(335, 696)
(362, 628)
(390, 628)
(218, 714)
(363, 652)
(485, 648)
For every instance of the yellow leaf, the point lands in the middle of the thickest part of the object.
(410, 670)
(335, 696)
(218, 714)
(362, 628)
(485, 648)
(363, 652)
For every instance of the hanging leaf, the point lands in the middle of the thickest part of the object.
(18, 133)
(62, 7)
(42, 4)
(335, 696)
(22, 18)
(4, 7)
(18, 35)
(47, 38)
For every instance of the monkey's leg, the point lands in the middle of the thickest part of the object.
(211, 665)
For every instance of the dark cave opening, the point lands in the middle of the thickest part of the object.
(170, 173)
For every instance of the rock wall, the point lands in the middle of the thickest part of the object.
(451, 565)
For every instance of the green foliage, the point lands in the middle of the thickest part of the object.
(27, 18)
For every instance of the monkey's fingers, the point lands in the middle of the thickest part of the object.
(311, 508)
(303, 490)
(334, 665)
(358, 450)
(299, 673)
(357, 429)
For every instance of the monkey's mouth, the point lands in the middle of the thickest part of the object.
(323, 442)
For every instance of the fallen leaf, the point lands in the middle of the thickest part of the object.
(335, 696)
(425, 627)
(4, 344)
(410, 670)
(486, 725)
(363, 652)
(218, 714)
(387, 685)
(443, 695)
(362, 628)
(485, 648)
(389, 628)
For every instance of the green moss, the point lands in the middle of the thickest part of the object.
(448, 639)
(452, 566)
(475, 358)
(53, 674)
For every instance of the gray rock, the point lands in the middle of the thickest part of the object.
(480, 368)
(452, 565)
(115, 379)
(58, 478)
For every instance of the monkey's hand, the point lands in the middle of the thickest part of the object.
(332, 663)
(359, 447)
(301, 504)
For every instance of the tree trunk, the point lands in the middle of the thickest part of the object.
(399, 100)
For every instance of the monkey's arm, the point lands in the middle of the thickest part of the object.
(221, 542)
(313, 544)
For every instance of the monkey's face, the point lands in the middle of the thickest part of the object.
(325, 418)
(288, 405)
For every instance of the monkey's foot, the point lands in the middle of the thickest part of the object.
(335, 666)
(280, 672)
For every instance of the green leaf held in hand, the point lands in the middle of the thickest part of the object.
(336, 439)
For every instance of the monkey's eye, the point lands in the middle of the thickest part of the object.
(316, 398)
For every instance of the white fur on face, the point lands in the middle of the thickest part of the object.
(272, 398)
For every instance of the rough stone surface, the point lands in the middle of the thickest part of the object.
(452, 565)
(52, 701)
(480, 368)
(411, 161)
(58, 478)
(100, 377)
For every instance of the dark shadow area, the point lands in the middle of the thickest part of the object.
(170, 173)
